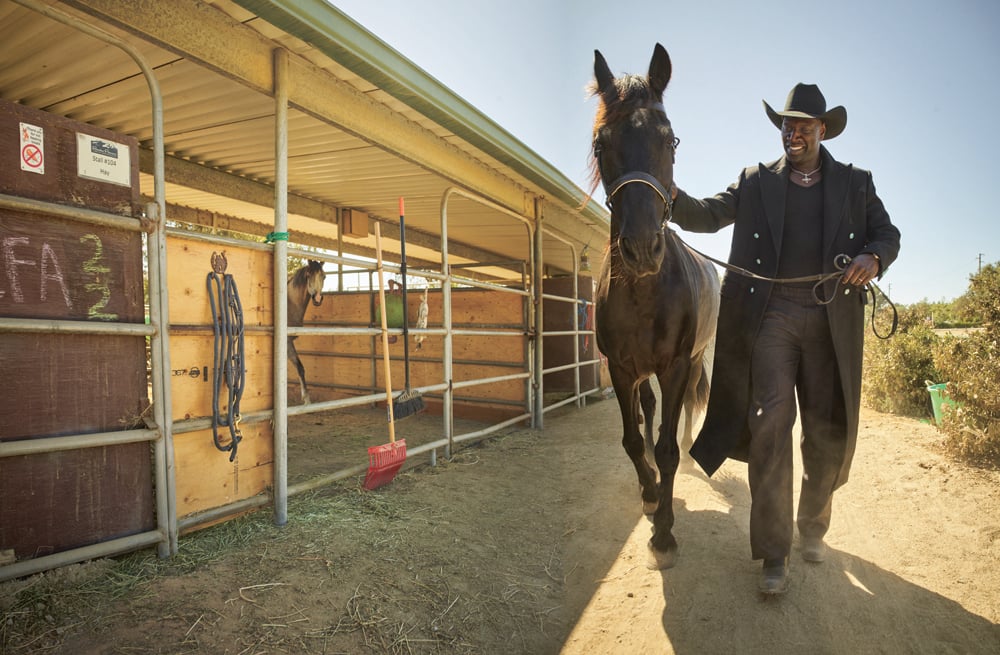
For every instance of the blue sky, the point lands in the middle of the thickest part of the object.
(918, 79)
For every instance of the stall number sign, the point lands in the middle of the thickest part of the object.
(32, 149)
(102, 160)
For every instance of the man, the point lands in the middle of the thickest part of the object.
(792, 218)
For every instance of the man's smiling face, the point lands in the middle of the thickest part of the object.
(800, 138)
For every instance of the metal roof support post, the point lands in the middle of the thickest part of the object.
(166, 510)
(448, 396)
(280, 287)
(537, 286)
(159, 319)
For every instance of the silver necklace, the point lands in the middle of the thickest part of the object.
(805, 176)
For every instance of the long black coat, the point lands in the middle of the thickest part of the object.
(854, 221)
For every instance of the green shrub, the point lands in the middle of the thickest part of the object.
(896, 369)
(971, 366)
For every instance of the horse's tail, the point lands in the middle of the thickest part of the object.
(699, 395)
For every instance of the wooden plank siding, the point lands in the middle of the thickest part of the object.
(205, 477)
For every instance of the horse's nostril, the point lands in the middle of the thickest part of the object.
(659, 245)
(626, 249)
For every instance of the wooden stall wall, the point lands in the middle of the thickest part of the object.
(62, 384)
(340, 365)
(205, 477)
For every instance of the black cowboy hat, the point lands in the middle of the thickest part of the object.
(807, 101)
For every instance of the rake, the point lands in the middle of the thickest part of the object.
(384, 461)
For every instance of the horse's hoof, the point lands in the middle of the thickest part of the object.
(649, 507)
(660, 559)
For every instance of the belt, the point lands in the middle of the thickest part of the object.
(800, 295)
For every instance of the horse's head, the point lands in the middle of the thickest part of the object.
(315, 277)
(634, 147)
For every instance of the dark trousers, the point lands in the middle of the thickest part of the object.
(793, 355)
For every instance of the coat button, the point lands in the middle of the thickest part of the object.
(756, 235)
(751, 289)
(758, 262)
(851, 235)
(847, 292)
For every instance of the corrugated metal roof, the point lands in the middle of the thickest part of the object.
(366, 126)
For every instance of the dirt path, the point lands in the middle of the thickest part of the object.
(534, 543)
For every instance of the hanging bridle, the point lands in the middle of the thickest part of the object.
(610, 190)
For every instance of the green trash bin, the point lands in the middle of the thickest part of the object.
(939, 398)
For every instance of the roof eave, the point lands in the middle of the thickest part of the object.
(349, 44)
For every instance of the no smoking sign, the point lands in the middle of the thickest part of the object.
(32, 149)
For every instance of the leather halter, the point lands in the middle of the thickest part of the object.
(640, 177)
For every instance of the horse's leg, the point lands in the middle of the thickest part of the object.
(673, 384)
(625, 392)
(293, 356)
(647, 401)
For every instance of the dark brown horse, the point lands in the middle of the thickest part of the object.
(657, 301)
(304, 284)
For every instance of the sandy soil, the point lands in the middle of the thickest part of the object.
(534, 542)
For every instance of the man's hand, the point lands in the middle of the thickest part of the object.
(862, 270)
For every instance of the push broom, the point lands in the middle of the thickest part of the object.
(407, 403)
(384, 461)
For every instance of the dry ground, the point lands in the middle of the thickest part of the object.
(534, 542)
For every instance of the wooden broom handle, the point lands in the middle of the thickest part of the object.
(385, 332)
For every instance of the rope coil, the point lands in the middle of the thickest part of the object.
(228, 358)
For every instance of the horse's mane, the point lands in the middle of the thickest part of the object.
(301, 275)
(632, 92)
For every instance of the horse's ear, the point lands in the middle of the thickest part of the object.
(605, 80)
(659, 70)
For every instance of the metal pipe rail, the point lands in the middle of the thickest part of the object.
(464, 281)
(567, 401)
(74, 213)
(465, 384)
(219, 239)
(53, 326)
(566, 367)
(75, 442)
(81, 554)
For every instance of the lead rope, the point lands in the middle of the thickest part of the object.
(228, 353)
(840, 262)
